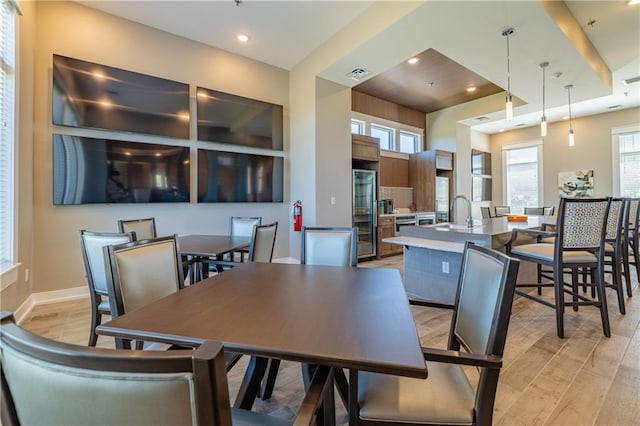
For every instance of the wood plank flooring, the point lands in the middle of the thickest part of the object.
(584, 379)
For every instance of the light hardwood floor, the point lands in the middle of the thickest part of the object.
(583, 379)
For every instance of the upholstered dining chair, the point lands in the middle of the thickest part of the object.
(479, 324)
(614, 250)
(534, 210)
(50, 382)
(337, 246)
(91, 245)
(141, 272)
(548, 211)
(631, 255)
(502, 210)
(486, 212)
(578, 245)
(145, 229)
(243, 227)
(330, 246)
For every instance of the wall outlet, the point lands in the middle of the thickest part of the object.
(333, 201)
(445, 267)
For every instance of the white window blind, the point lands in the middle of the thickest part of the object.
(7, 103)
(522, 176)
(629, 147)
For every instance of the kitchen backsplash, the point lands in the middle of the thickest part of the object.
(402, 197)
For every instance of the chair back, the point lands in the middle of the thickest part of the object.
(262, 242)
(142, 272)
(91, 245)
(582, 223)
(50, 382)
(482, 308)
(486, 212)
(502, 210)
(145, 229)
(243, 226)
(631, 214)
(549, 211)
(615, 220)
(329, 246)
(534, 210)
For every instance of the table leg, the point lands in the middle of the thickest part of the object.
(250, 385)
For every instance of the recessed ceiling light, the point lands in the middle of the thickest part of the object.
(243, 38)
(471, 89)
(501, 130)
(413, 60)
(566, 117)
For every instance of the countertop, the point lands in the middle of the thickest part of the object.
(426, 243)
(491, 227)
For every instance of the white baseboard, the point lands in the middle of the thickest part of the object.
(46, 297)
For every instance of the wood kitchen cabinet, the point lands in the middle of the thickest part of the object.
(385, 230)
(365, 148)
(394, 172)
(423, 168)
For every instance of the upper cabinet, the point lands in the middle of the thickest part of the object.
(394, 172)
(444, 160)
(365, 148)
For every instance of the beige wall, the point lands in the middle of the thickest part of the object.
(591, 151)
(69, 29)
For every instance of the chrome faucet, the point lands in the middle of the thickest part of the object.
(469, 220)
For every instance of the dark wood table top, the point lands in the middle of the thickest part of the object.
(210, 245)
(336, 316)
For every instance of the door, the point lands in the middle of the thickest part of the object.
(364, 211)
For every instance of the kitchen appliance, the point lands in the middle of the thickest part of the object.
(442, 199)
(388, 206)
(401, 221)
(364, 213)
(425, 219)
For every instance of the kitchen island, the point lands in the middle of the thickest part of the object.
(433, 253)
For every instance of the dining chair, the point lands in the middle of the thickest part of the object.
(141, 272)
(486, 212)
(145, 229)
(578, 244)
(91, 245)
(330, 246)
(613, 248)
(631, 255)
(477, 336)
(502, 210)
(242, 227)
(534, 211)
(50, 382)
(548, 211)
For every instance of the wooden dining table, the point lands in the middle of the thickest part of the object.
(334, 317)
(195, 248)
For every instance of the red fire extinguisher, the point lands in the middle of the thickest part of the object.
(297, 216)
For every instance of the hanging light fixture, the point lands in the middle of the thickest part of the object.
(509, 101)
(543, 119)
(571, 135)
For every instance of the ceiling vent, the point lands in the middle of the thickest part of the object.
(358, 74)
(482, 118)
(631, 80)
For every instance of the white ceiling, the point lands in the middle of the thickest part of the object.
(283, 33)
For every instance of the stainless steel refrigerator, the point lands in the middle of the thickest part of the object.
(364, 211)
(442, 199)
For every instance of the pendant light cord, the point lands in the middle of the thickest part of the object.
(569, 92)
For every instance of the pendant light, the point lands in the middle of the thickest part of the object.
(509, 101)
(543, 119)
(571, 135)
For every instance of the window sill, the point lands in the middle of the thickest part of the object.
(9, 276)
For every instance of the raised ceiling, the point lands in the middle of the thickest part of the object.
(433, 83)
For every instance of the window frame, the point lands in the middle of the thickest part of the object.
(616, 132)
(523, 145)
(397, 129)
(360, 124)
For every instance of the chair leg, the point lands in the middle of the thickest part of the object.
(539, 268)
(636, 261)
(627, 270)
(96, 320)
(574, 288)
(616, 263)
(602, 296)
(558, 286)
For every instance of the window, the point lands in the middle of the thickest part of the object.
(409, 142)
(385, 134)
(357, 127)
(626, 162)
(522, 176)
(7, 102)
